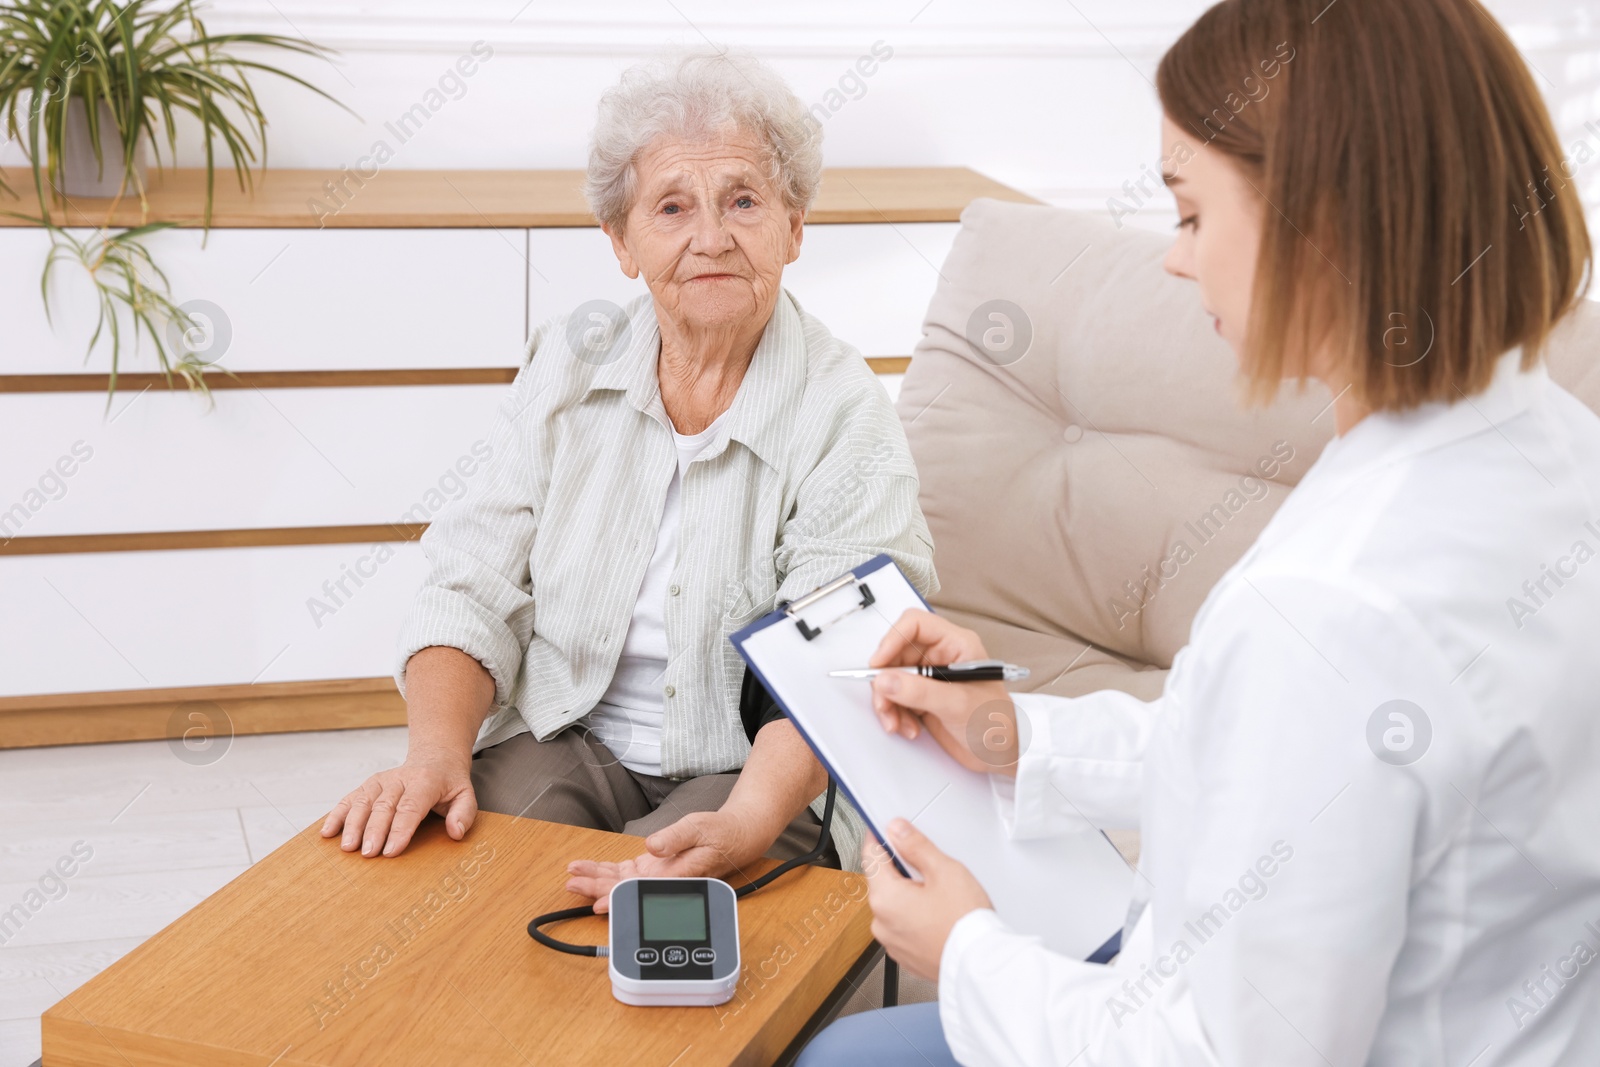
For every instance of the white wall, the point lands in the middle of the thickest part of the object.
(1049, 96)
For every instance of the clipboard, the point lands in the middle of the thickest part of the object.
(1072, 891)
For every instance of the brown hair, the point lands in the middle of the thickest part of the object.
(1420, 214)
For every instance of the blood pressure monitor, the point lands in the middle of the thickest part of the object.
(674, 941)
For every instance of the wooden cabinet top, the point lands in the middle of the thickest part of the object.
(316, 199)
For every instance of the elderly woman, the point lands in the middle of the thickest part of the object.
(660, 476)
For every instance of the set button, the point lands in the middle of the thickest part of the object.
(644, 957)
(675, 956)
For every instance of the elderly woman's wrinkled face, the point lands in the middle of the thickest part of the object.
(709, 231)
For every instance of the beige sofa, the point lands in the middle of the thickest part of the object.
(1087, 486)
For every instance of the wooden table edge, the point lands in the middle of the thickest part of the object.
(826, 1013)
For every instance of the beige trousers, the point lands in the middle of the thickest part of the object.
(574, 779)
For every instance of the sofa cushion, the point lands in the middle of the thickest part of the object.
(1087, 471)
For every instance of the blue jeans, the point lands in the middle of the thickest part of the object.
(904, 1036)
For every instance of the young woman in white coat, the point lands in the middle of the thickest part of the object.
(1369, 795)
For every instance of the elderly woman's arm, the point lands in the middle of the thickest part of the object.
(859, 501)
(778, 780)
(461, 646)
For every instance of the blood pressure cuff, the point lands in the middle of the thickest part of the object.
(756, 706)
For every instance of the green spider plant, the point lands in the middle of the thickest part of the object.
(146, 64)
(121, 268)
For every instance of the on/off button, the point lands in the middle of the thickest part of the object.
(675, 956)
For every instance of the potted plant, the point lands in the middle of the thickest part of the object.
(93, 82)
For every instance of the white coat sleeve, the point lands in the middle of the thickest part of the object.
(1081, 766)
(1287, 849)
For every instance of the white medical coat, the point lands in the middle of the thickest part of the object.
(1370, 792)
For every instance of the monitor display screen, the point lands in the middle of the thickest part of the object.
(672, 916)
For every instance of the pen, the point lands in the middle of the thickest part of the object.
(972, 670)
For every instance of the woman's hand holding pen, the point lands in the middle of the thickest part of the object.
(975, 722)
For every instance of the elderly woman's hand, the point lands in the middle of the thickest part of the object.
(702, 844)
(779, 780)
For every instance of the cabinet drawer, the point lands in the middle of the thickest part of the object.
(150, 620)
(262, 458)
(289, 300)
(870, 285)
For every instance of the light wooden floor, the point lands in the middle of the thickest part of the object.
(165, 834)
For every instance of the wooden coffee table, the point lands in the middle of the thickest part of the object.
(316, 957)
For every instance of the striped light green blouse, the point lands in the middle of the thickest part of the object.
(535, 570)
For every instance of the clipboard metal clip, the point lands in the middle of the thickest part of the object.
(794, 607)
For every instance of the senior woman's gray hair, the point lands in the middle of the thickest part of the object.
(694, 95)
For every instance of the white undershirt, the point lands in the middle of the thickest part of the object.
(629, 714)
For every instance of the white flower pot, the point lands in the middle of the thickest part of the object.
(81, 176)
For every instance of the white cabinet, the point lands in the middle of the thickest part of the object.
(291, 299)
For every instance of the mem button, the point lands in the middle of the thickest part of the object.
(644, 957)
(675, 956)
(705, 955)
